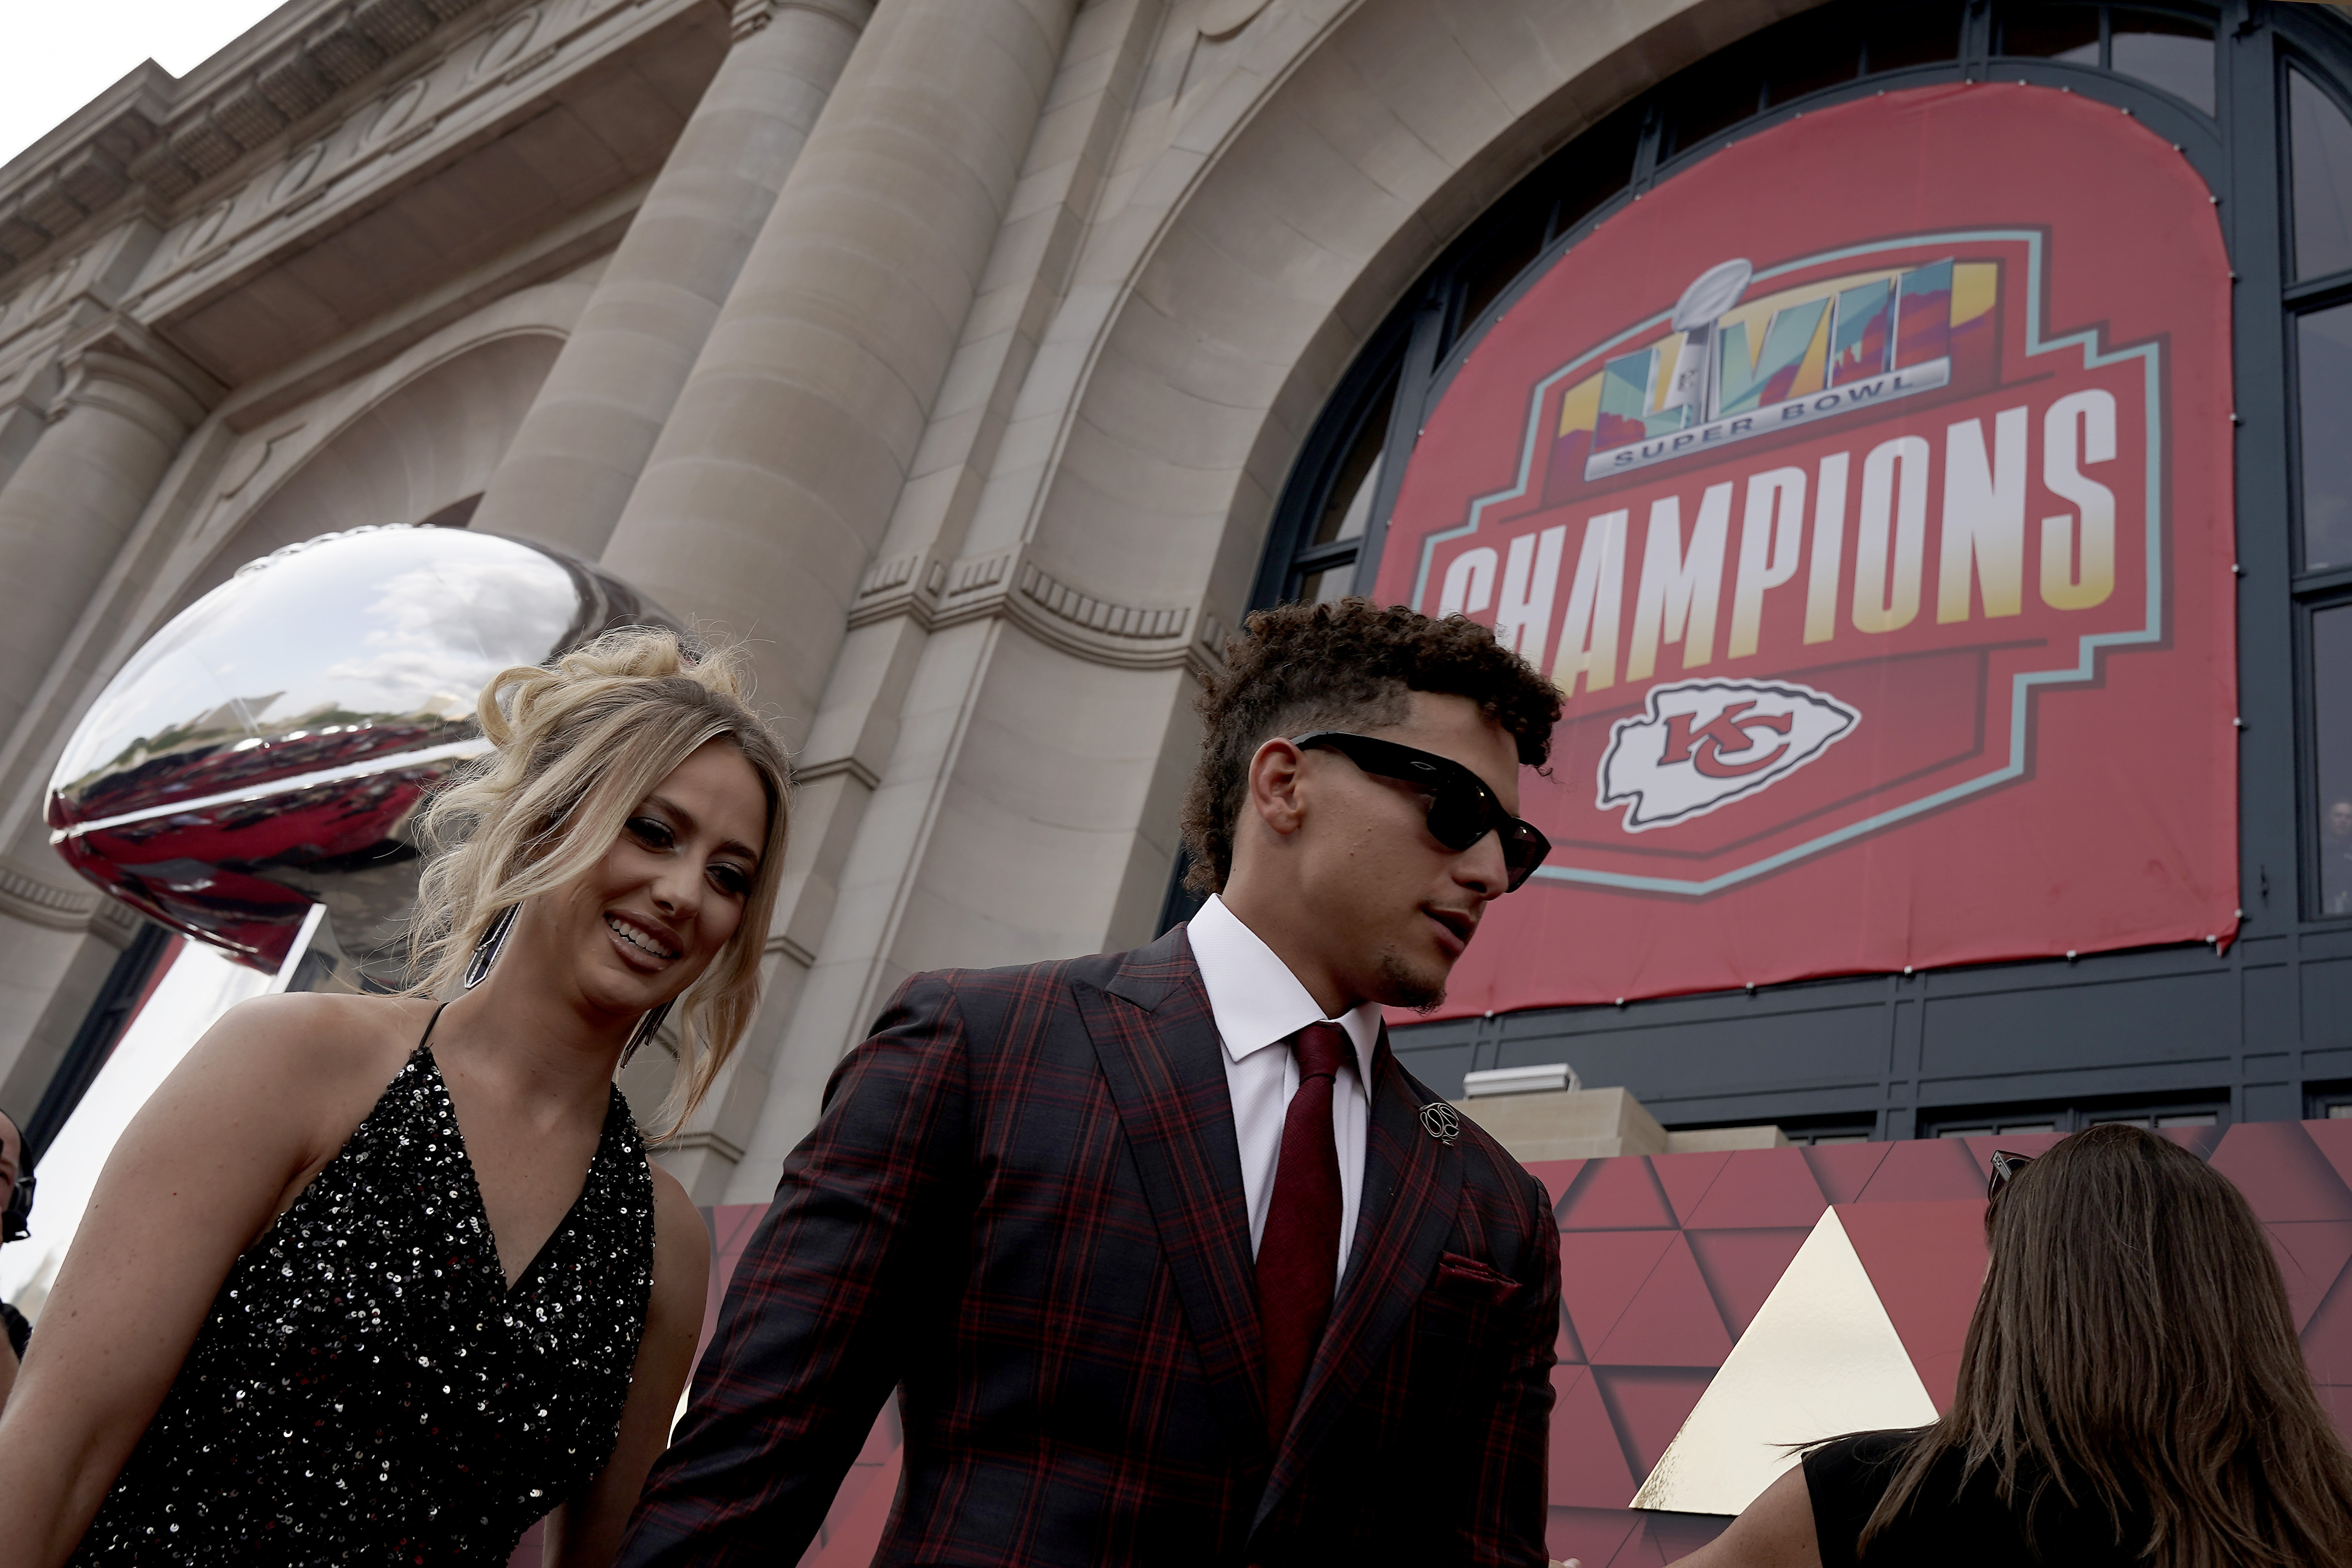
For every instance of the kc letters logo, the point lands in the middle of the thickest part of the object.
(1865, 489)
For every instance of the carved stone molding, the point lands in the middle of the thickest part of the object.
(832, 766)
(1096, 630)
(750, 15)
(120, 366)
(785, 946)
(167, 148)
(694, 1142)
(899, 585)
(115, 922)
(38, 902)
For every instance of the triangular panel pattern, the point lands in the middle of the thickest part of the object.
(1687, 1177)
(2328, 1342)
(1672, 1322)
(1741, 1266)
(1649, 1405)
(1844, 1169)
(1601, 1272)
(1557, 1175)
(1622, 1193)
(2333, 1139)
(1762, 1186)
(1590, 1536)
(1588, 1461)
(2311, 1257)
(2282, 1173)
(1927, 1169)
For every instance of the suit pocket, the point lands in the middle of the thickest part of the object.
(1466, 1280)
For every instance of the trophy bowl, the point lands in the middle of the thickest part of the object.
(266, 751)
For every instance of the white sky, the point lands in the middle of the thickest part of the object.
(60, 54)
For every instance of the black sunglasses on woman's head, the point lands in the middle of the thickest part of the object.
(1462, 810)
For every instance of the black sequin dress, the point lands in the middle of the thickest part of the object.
(366, 1389)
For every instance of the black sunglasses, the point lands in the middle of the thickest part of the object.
(2005, 1166)
(1462, 810)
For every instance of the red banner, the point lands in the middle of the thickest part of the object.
(1866, 491)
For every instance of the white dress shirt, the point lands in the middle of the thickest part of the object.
(1258, 1004)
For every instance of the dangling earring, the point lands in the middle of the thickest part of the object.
(486, 952)
(647, 1027)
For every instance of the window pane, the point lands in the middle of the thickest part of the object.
(1711, 98)
(1325, 586)
(2069, 32)
(2323, 179)
(2188, 1118)
(1596, 166)
(2331, 683)
(1486, 278)
(1349, 505)
(2169, 52)
(1899, 35)
(2324, 387)
(1807, 57)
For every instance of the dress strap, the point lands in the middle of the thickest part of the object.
(428, 1026)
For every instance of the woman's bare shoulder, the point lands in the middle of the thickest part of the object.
(308, 1046)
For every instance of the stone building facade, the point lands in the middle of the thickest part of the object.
(952, 351)
(957, 353)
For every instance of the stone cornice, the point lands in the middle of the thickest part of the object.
(152, 134)
(39, 902)
(1006, 584)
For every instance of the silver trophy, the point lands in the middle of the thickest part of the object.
(250, 776)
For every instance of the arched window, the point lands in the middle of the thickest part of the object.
(2258, 98)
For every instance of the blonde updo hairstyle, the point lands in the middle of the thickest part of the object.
(578, 743)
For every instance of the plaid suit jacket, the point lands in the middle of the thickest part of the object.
(1022, 1208)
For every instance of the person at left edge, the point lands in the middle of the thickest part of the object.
(311, 1319)
(15, 1209)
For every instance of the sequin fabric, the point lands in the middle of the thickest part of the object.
(366, 1389)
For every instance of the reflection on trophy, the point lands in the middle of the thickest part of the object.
(250, 778)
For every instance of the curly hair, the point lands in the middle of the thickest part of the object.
(577, 743)
(1344, 664)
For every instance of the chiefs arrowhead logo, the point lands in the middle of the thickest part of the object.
(1701, 744)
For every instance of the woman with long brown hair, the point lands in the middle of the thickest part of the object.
(2131, 1390)
(382, 1280)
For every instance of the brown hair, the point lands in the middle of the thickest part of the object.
(578, 743)
(1347, 665)
(2133, 1351)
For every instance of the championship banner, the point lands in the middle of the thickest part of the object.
(1866, 492)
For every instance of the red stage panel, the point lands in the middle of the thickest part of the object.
(1762, 1186)
(1602, 1272)
(1672, 1322)
(1927, 1261)
(1688, 1179)
(1617, 1195)
(1742, 1266)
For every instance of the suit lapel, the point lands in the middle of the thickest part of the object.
(1164, 1063)
(1411, 1184)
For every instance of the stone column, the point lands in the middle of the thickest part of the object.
(127, 403)
(125, 407)
(579, 453)
(776, 476)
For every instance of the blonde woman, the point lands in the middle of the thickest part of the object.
(310, 1318)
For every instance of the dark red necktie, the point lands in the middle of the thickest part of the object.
(1299, 1252)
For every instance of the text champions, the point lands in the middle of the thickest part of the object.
(1862, 547)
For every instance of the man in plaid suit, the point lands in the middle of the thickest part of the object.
(1170, 1260)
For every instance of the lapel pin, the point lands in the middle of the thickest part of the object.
(1437, 1120)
